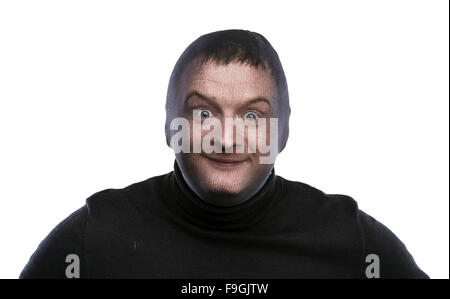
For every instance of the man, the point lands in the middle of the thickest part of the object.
(222, 212)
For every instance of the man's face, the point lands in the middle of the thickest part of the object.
(226, 91)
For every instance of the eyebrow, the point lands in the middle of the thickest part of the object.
(214, 103)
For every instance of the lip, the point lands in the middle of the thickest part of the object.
(225, 162)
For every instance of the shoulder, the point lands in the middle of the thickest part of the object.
(122, 200)
(310, 210)
(341, 215)
(316, 200)
(394, 258)
(102, 209)
(49, 259)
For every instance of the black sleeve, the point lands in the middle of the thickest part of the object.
(49, 259)
(394, 259)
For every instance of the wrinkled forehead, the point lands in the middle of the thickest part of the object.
(233, 82)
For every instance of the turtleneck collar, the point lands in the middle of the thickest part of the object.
(239, 217)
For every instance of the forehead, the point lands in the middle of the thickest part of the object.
(233, 82)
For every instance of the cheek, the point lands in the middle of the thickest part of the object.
(251, 139)
(196, 136)
(258, 138)
(202, 132)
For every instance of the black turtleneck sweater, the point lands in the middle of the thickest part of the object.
(159, 228)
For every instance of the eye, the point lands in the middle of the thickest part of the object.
(251, 116)
(205, 113)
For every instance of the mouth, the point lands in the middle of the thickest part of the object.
(225, 162)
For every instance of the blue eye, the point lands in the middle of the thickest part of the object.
(205, 114)
(251, 116)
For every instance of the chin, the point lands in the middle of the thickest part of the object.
(222, 184)
(219, 184)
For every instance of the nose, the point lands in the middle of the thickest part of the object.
(228, 141)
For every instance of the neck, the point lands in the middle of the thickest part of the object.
(237, 216)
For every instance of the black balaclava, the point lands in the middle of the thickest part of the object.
(232, 46)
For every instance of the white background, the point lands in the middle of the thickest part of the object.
(82, 92)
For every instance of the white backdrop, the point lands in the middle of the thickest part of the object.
(82, 92)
